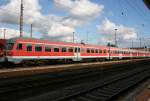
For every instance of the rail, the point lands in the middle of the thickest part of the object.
(84, 84)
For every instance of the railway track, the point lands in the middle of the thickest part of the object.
(40, 69)
(55, 63)
(109, 90)
(78, 85)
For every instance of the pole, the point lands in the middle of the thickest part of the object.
(21, 18)
(116, 37)
(140, 43)
(31, 30)
(132, 44)
(73, 37)
(144, 47)
(4, 33)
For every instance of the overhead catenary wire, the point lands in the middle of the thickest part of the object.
(136, 10)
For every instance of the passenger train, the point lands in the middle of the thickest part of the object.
(18, 50)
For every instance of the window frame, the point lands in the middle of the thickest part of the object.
(10, 46)
(54, 49)
(64, 49)
(88, 50)
(96, 50)
(27, 45)
(92, 50)
(18, 47)
(82, 50)
(100, 51)
(36, 48)
(105, 51)
(70, 48)
(48, 48)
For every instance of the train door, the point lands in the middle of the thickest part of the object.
(77, 54)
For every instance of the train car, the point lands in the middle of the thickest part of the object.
(17, 50)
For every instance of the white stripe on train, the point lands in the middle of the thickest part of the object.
(61, 57)
(19, 59)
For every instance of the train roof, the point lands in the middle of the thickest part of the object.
(53, 42)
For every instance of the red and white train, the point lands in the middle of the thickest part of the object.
(17, 50)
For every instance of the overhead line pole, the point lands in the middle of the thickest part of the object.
(132, 43)
(140, 43)
(116, 37)
(21, 19)
(31, 30)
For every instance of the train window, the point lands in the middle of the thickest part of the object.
(29, 47)
(104, 51)
(92, 51)
(82, 50)
(70, 49)
(56, 49)
(10, 46)
(38, 48)
(100, 51)
(64, 49)
(96, 51)
(76, 50)
(47, 49)
(19, 46)
(79, 50)
(88, 50)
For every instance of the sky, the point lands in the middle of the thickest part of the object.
(92, 21)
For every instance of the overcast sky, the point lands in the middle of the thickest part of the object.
(58, 19)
